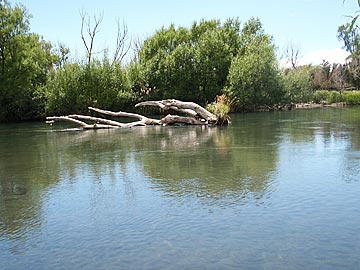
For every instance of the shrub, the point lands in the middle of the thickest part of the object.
(254, 78)
(321, 96)
(335, 97)
(298, 84)
(75, 87)
(221, 108)
(352, 97)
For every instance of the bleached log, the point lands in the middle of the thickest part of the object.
(144, 119)
(197, 116)
(97, 120)
(79, 123)
(165, 106)
(186, 107)
(171, 119)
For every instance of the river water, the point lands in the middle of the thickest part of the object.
(272, 191)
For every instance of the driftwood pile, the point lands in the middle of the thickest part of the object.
(196, 115)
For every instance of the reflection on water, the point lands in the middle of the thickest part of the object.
(260, 193)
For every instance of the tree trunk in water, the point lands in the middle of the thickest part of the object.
(197, 115)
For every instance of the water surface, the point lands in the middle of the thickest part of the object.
(271, 191)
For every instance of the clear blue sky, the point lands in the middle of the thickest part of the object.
(310, 24)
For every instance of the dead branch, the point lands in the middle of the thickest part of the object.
(170, 119)
(165, 106)
(78, 122)
(97, 120)
(91, 32)
(292, 54)
(198, 116)
(144, 119)
(121, 49)
(191, 108)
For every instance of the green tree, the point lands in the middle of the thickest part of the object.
(348, 33)
(298, 84)
(254, 78)
(25, 61)
(350, 37)
(189, 64)
(74, 87)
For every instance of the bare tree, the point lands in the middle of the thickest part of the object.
(90, 31)
(122, 47)
(292, 54)
(137, 44)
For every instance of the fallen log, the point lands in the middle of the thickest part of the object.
(170, 119)
(191, 108)
(78, 122)
(141, 118)
(197, 115)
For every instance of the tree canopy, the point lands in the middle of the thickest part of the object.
(25, 61)
(210, 60)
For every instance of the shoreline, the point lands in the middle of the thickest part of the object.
(289, 107)
(319, 105)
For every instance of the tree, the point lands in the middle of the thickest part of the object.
(254, 77)
(187, 63)
(89, 39)
(292, 54)
(25, 61)
(298, 84)
(350, 36)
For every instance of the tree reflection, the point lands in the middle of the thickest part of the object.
(215, 163)
(211, 165)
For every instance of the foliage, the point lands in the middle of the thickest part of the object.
(349, 34)
(208, 61)
(221, 109)
(352, 97)
(188, 64)
(298, 84)
(75, 87)
(350, 37)
(321, 96)
(254, 78)
(325, 96)
(331, 76)
(25, 61)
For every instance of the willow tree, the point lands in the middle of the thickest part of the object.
(186, 63)
(25, 60)
(254, 78)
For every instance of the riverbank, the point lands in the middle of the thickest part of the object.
(289, 107)
(320, 105)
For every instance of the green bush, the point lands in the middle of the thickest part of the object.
(352, 97)
(254, 79)
(298, 84)
(26, 59)
(75, 87)
(186, 63)
(321, 96)
(335, 97)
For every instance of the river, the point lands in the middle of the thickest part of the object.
(274, 190)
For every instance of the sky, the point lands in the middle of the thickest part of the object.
(311, 25)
